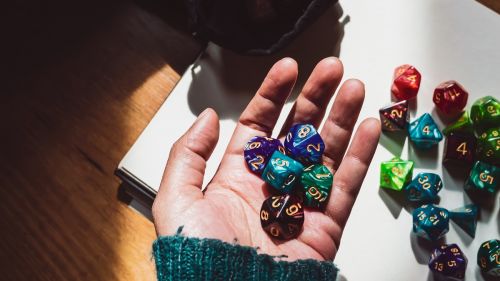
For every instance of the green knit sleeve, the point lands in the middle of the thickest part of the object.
(185, 258)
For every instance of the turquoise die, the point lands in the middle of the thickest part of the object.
(431, 222)
(466, 218)
(424, 132)
(282, 172)
(304, 144)
(424, 188)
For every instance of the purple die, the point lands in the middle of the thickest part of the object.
(303, 143)
(448, 261)
(258, 151)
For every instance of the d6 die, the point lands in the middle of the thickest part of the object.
(448, 261)
(483, 177)
(424, 132)
(430, 222)
(282, 172)
(304, 143)
(406, 82)
(396, 173)
(258, 150)
(460, 147)
(450, 97)
(317, 183)
(424, 187)
(488, 257)
(488, 146)
(395, 117)
(282, 216)
(485, 112)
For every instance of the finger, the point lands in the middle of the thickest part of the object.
(338, 127)
(351, 173)
(183, 177)
(261, 114)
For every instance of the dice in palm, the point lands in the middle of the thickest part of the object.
(406, 82)
(460, 148)
(485, 112)
(483, 177)
(424, 188)
(488, 257)
(282, 172)
(488, 146)
(430, 222)
(395, 173)
(395, 117)
(258, 150)
(304, 144)
(317, 184)
(448, 261)
(424, 132)
(450, 97)
(282, 216)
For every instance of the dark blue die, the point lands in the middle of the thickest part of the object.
(304, 144)
(431, 222)
(424, 188)
(259, 150)
(449, 262)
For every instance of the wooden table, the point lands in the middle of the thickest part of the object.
(80, 81)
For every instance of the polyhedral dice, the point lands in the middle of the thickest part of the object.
(466, 218)
(317, 183)
(406, 82)
(258, 150)
(282, 216)
(430, 222)
(488, 146)
(424, 132)
(448, 261)
(485, 112)
(396, 173)
(460, 147)
(488, 257)
(462, 125)
(483, 177)
(424, 187)
(395, 117)
(450, 97)
(282, 172)
(304, 144)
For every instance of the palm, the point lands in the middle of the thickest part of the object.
(229, 209)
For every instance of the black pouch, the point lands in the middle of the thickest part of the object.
(255, 27)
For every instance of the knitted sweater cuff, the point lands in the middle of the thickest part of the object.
(184, 258)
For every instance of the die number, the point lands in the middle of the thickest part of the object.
(264, 215)
(452, 263)
(462, 148)
(281, 163)
(396, 113)
(276, 202)
(424, 181)
(486, 178)
(259, 160)
(491, 109)
(292, 210)
(438, 266)
(426, 130)
(254, 145)
(304, 131)
(314, 192)
(311, 146)
(274, 231)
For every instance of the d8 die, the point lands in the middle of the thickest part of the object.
(450, 97)
(396, 173)
(430, 222)
(448, 261)
(395, 117)
(488, 146)
(485, 112)
(460, 147)
(483, 177)
(406, 82)
(282, 172)
(424, 187)
(424, 132)
(282, 216)
(488, 257)
(462, 125)
(317, 183)
(258, 150)
(466, 218)
(304, 144)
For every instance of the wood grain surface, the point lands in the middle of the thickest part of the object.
(492, 4)
(79, 82)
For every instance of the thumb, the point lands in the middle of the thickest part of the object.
(183, 177)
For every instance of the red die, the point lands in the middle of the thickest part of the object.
(450, 97)
(406, 82)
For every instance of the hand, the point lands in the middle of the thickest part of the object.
(229, 208)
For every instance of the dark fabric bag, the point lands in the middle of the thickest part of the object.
(253, 26)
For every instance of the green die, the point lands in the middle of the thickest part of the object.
(396, 173)
(483, 177)
(488, 257)
(485, 112)
(488, 146)
(463, 125)
(317, 183)
(282, 172)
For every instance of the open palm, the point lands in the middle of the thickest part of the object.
(229, 208)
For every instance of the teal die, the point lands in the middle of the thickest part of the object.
(431, 222)
(282, 172)
(424, 132)
(466, 218)
(483, 177)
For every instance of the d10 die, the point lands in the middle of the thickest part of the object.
(396, 173)
(395, 117)
(485, 112)
(430, 222)
(466, 218)
(448, 261)
(317, 183)
(282, 172)
(488, 257)
(258, 150)
(424, 132)
(282, 216)
(488, 146)
(483, 177)
(450, 97)
(406, 82)
(424, 187)
(304, 143)
(462, 125)
(460, 147)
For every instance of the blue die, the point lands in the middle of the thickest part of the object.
(304, 144)
(282, 172)
(424, 188)
(424, 132)
(431, 222)
(466, 218)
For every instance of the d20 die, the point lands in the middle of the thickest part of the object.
(488, 146)
(258, 150)
(317, 184)
(460, 147)
(430, 222)
(450, 97)
(466, 218)
(424, 132)
(406, 82)
(304, 143)
(282, 216)
(462, 125)
(395, 117)
(282, 172)
(396, 173)
(424, 187)
(483, 177)
(485, 112)
(448, 261)
(488, 257)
